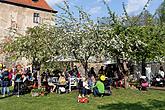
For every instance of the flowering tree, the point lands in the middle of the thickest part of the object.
(137, 38)
(80, 38)
(38, 44)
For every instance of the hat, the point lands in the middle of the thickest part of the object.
(102, 78)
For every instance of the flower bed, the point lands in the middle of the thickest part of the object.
(38, 92)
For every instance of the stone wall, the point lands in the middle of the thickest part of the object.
(96, 66)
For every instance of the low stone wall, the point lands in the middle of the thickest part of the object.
(96, 66)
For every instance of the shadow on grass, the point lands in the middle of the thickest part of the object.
(152, 105)
(6, 97)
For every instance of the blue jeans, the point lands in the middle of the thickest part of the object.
(84, 91)
(5, 87)
(96, 92)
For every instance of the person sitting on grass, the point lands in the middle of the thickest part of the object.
(91, 82)
(85, 89)
(99, 88)
(143, 83)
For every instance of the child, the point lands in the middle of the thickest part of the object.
(99, 88)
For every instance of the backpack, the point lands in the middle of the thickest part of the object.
(83, 100)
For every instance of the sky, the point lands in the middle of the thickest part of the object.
(96, 8)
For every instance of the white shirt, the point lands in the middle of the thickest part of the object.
(161, 73)
(85, 84)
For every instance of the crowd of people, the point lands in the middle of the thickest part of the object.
(23, 80)
(14, 77)
(98, 84)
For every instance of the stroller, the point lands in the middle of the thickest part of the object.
(62, 87)
(143, 83)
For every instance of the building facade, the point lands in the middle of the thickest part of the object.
(17, 15)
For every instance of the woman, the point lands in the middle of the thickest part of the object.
(62, 84)
(62, 79)
(85, 88)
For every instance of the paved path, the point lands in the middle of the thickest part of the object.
(157, 88)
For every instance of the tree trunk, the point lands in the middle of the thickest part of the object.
(124, 70)
(39, 79)
(85, 66)
(126, 83)
(37, 66)
(143, 66)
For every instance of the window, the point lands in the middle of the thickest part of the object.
(35, 0)
(36, 18)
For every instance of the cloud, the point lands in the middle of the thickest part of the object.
(53, 2)
(135, 6)
(95, 10)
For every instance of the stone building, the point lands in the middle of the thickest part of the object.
(17, 15)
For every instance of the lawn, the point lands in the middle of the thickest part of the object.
(120, 100)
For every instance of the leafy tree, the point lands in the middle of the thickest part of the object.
(80, 38)
(38, 44)
(135, 38)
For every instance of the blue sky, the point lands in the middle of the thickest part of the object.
(96, 8)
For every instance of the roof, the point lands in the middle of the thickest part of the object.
(40, 4)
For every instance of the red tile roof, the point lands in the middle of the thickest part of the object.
(40, 4)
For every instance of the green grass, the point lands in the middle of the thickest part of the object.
(120, 100)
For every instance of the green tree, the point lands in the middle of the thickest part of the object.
(38, 44)
(135, 38)
(80, 38)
